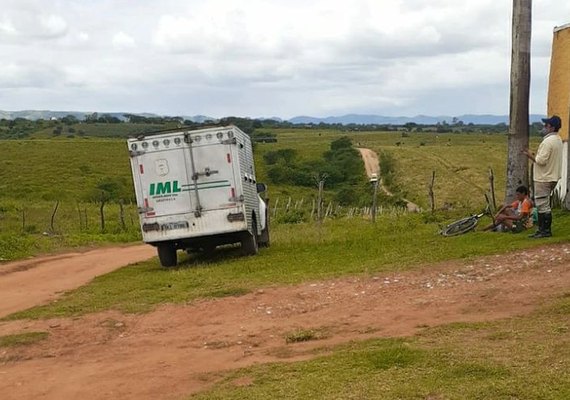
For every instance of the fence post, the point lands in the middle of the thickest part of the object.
(492, 185)
(431, 194)
(320, 201)
(313, 210)
(80, 218)
(52, 221)
(122, 215)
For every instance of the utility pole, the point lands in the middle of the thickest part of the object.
(518, 137)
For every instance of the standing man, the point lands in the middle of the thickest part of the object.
(547, 172)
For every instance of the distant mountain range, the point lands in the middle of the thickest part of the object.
(484, 119)
(80, 115)
(360, 119)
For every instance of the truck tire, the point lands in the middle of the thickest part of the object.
(167, 255)
(249, 241)
(264, 237)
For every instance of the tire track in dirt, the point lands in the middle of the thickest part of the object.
(181, 349)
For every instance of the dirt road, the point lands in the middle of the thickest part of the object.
(372, 166)
(166, 353)
(36, 281)
(371, 163)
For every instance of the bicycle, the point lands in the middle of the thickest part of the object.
(463, 225)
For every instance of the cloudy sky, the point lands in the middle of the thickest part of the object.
(268, 58)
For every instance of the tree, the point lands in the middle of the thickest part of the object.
(108, 190)
(91, 118)
(517, 162)
(69, 120)
(410, 126)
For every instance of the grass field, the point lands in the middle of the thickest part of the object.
(350, 247)
(521, 358)
(37, 173)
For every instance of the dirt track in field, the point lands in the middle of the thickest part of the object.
(177, 350)
(372, 166)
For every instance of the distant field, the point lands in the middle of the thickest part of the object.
(36, 173)
(461, 163)
(67, 168)
(99, 130)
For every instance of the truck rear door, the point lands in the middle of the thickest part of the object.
(215, 176)
(161, 178)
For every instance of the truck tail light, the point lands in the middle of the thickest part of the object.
(233, 193)
(146, 203)
(141, 169)
(229, 157)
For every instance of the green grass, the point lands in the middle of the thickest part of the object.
(22, 339)
(520, 358)
(33, 170)
(461, 163)
(299, 253)
(36, 173)
(26, 227)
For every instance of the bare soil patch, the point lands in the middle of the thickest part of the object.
(37, 281)
(181, 349)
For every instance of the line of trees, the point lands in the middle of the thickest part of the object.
(259, 129)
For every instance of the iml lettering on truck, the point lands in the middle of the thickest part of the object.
(164, 188)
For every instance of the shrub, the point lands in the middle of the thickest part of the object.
(292, 217)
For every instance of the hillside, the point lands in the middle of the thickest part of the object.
(359, 119)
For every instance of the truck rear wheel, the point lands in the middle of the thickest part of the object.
(249, 241)
(167, 255)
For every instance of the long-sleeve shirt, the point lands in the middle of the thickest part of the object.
(548, 160)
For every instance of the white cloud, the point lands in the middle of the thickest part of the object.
(268, 57)
(52, 26)
(121, 40)
(14, 75)
(7, 28)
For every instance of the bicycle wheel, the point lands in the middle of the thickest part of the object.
(459, 227)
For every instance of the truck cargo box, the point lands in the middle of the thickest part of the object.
(196, 190)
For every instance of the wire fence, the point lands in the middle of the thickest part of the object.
(299, 210)
(68, 217)
(61, 217)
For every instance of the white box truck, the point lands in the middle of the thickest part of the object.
(196, 189)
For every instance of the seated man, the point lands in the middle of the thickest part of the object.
(514, 217)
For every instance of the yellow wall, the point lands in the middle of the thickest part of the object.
(559, 84)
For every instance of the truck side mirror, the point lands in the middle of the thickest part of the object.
(261, 187)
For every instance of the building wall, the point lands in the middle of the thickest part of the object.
(559, 83)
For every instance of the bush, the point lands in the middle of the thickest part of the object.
(347, 196)
(292, 217)
(286, 155)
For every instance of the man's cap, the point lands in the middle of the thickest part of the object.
(553, 121)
